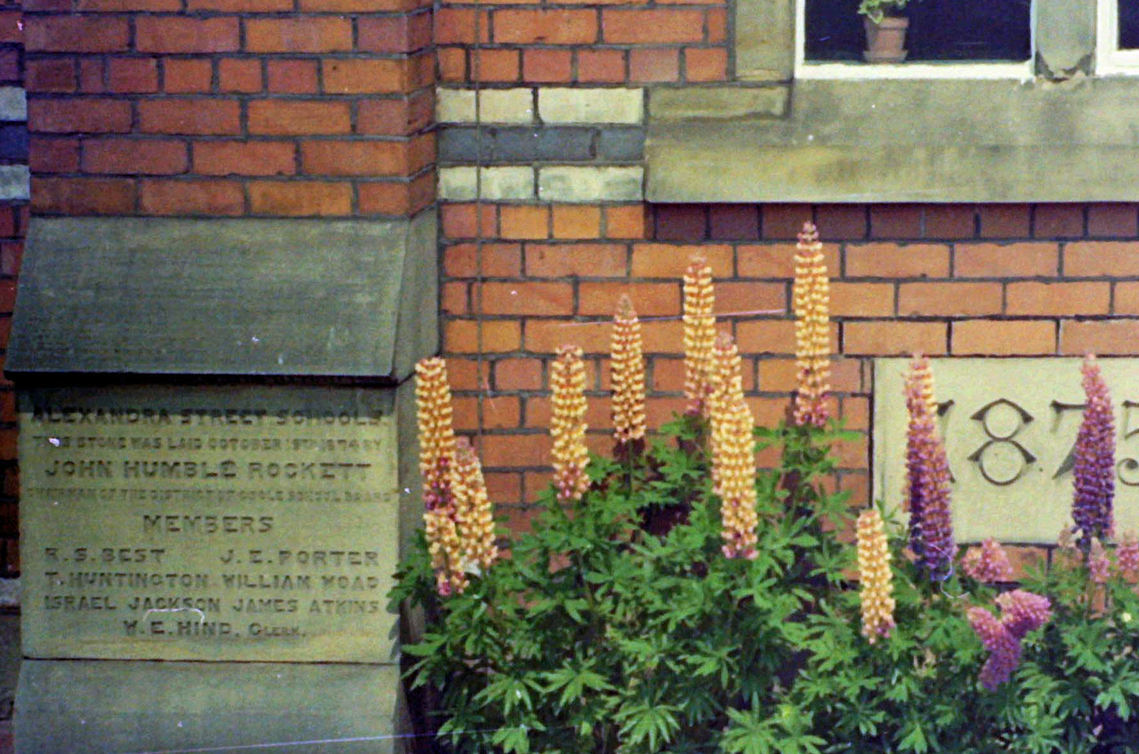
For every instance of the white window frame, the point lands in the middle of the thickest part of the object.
(805, 69)
(1110, 60)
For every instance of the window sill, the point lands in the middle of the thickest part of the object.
(903, 141)
(948, 70)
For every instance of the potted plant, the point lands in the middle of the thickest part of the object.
(885, 30)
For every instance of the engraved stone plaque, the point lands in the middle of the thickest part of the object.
(1009, 427)
(209, 523)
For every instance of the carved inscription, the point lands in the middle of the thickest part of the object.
(211, 525)
(1010, 427)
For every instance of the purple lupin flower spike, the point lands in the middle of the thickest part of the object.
(927, 477)
(1094, 471)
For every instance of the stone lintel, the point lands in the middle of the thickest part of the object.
(909, 141)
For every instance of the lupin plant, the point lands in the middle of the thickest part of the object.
(752, 623)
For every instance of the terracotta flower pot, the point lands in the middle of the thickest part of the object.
(886, 40)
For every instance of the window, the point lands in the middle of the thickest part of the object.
(1117, 45)
(946, 39)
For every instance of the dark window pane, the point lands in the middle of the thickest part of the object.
(1128, 24)
(939, 30)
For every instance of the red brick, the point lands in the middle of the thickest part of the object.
(733, 222)
(525, 222)
(10, 65)
(240, 6)
(461, 221)
(453, 298)
(949, 299)
(649, 299)
(651, 26)
(1126, 298)
(51, 75)
(11, 26)
(76, 34)
(199, 198)
(577, 221)
(897, 260)
(895, 221)
(53, 155)
(784, 220)
(498, 335)
(395, 117)
(523, 298)
(300, 198)
(239, 75)
(626, 221)
(134, 156)
(244, 157)
(309, 34)
(862, 299)
(1058, 221)
(1120, 336)
(132, 75)
(1113, 220)
(515, 451)
(197, 116)
(518, 374)
(46, 5)
(1101, 259)
(1051, 299)
(765, 336)
(452, 63)
(83, 196)
(544, 66)
(495, 65)
(392, 34)
(1005, 220)
(547, 335)
(91, 75)
(1006, 260)
(499, 260)
(174, 34)
(539, 412)
(554, 27)
(986, 337)
(742, 299)
(366, 76)
(354, 157)
(654, 64)
(79, 116)
(457, 26)
(181, 76)
(847, 222)
(681, 222)
(778, 260)
(396, 197)
(950, 221)
(293, 76)
(670, 261)
(361, 6)
(705, 64)
(290, 117)
(893, 338)
(118, 6)
(498, 411)
(600, 66)
(717, 26)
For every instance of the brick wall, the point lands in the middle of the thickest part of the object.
(993, 280)
(230, 107)
(13, 222)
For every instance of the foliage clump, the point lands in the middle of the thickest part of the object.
(675, 598)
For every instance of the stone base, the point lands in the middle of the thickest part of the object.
(94, 707)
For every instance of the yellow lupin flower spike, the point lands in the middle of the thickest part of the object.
(475, 515)
(567, 425)
(436, 466)
(875, 577)
(811, 301)
(733, 453)
(699, 334)
(628, 374)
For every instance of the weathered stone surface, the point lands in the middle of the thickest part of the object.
(9, 662)
(910, 141)
(276, 297)
(590, 184)
(513, 182)
(211, 523)
(13, 103)
(455, 105)
(719, 102)
(14, 182)
(1008, 432)
(765, 39)
(506, 105)
(537, 144)
(560, 105)
(1065, 37)
(97, 707)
